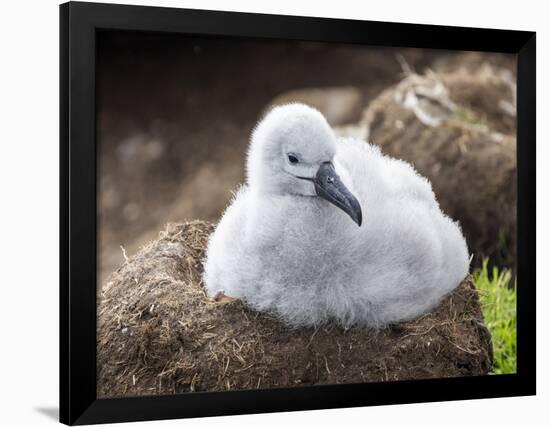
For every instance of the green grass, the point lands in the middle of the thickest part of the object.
(498, 301)
(467, 116)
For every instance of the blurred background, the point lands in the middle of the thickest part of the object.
(174, 114)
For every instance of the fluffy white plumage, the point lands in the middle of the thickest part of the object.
(283, 249)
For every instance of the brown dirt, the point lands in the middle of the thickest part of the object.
(158, 333)
(471, 61)
(488, 92)
(469, 155)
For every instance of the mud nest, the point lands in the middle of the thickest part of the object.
(159, 333)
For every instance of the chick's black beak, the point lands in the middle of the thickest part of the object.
(330, 187)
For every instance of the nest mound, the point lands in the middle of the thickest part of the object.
(159, 333)
(458, 130)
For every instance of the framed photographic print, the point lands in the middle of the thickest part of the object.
(268, 213)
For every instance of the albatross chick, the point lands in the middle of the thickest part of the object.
(330, 229)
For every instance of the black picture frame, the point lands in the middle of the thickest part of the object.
(79, 23)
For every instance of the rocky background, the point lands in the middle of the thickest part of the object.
(175, 113)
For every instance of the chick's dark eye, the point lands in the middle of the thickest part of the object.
(292, 159)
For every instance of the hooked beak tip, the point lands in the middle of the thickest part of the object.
(354, 211)
(329, 186)
(359, 219)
